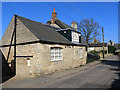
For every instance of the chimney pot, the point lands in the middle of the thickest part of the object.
(54, 15)
(54, 9)
(74, 25)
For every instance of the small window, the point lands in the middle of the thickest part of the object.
(56, 54)
(80, 53)
(75, 37)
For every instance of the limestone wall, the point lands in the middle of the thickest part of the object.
(23, 35)
(99, 48)
(41, 62)
(96, 48)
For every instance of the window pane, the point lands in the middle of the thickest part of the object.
(52, 57)
(51, 53)
(56, 54)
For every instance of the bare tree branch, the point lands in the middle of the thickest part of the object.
(89, 29)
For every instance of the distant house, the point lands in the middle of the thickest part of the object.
(111, 43)
(43, 48)
(97, 47)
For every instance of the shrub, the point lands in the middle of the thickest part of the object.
(111, 49)
(94, 52)
(104, 51)
(92, 57)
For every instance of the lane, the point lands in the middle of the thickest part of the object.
(92, 75)
(100, 76)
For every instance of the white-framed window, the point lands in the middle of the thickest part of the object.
(75, 36)
(56, 53)
(80, 53)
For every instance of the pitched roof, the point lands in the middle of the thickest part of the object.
(97, 45)
(42, 31)
(61, 24)
(45, 32)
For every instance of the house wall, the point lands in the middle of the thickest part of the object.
(90, 49)
(69, 35)
(23, 35)
(99, 48)
(41, 62)
(96, 48)
(66, 35)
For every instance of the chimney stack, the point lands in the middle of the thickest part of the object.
(74, 25)
(54, 16)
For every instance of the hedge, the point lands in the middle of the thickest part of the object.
(111, 49)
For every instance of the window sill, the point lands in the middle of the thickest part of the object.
(56, 60)
(81, 57)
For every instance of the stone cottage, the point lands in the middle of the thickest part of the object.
(43, 48)
(97, 47)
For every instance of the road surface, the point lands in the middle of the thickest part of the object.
(103, 75)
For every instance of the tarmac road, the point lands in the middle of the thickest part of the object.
(98, 74)
(103, 75)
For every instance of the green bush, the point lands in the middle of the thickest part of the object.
(94, 52)
(97, 52)
(104, 51)
(111, 49)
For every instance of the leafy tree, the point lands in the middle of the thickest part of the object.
(89, 29)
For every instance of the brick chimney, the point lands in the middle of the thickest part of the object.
(74, 25)
(54, 15)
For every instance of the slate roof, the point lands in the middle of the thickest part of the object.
(68, 30)
(97, 45)
(61, 24)
(42, 31)
(45, 32)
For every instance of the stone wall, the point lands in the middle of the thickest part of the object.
(23, 35)
(99, 48)
(41, 62)
(96, 48)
